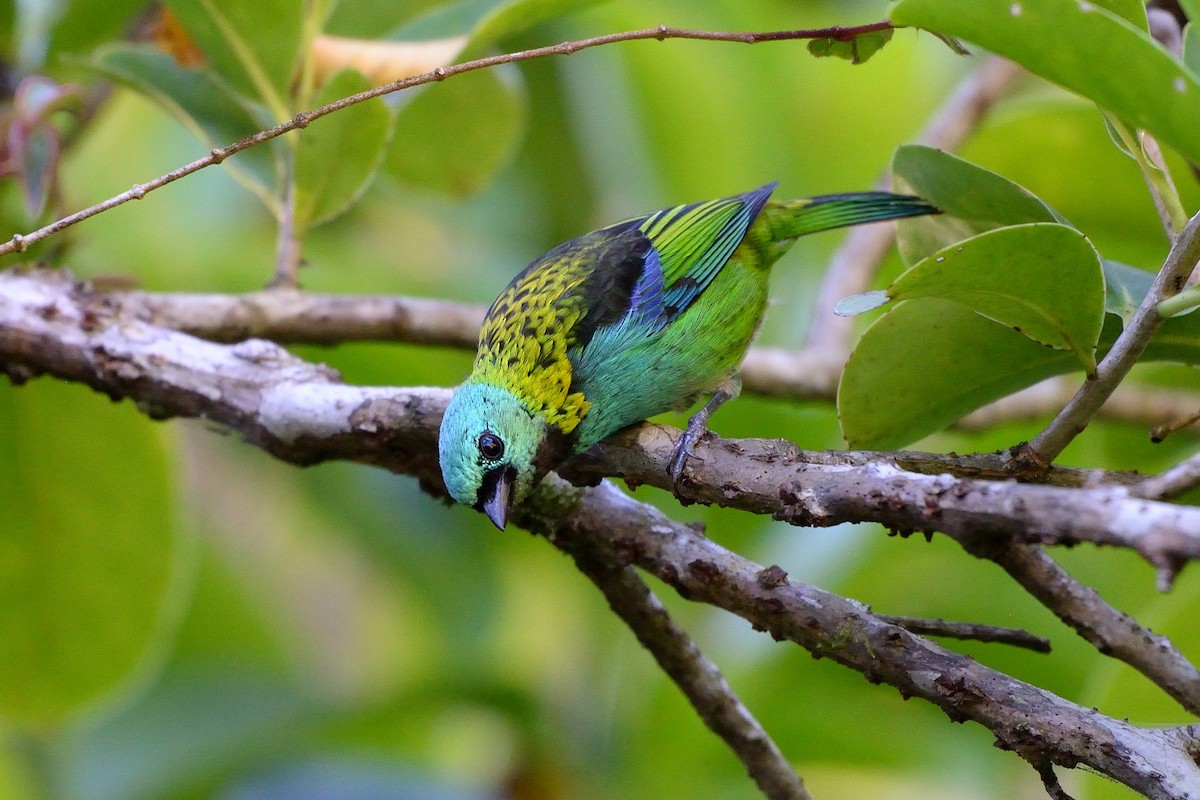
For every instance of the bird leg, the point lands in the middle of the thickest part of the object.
(698, 425)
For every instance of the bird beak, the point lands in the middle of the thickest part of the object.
(496, 506)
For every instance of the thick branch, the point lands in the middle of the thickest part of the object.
(1036, 724)
(289, 316)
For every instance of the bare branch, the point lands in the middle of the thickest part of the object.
(696, 676)
(21, 242)
(1172, 483)
(1037, 725)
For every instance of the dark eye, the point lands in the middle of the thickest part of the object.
(491, 446)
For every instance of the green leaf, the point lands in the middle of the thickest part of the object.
(1043, 280)
(973, 200)
(1133, 11)
(339, 154)
(1191, 8)
(1084, 48)
(195, 98)
(1125, 288)
(88, 552)
(455, 137)
(252, 46)
(86, 24)
(856, 50)
(1191, 47)
(925, 364)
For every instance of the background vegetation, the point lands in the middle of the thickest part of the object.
(183, 617)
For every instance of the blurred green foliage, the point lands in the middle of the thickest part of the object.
(181, 617)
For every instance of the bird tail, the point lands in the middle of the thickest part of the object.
(795, 218)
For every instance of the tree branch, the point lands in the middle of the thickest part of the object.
(301, 413)
(1039, 726)
(969, 630)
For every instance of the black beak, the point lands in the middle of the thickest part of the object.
(497, 496)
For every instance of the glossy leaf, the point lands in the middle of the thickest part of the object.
(1043, 280)
(1082, 47)
(925, 364)
(973, 200)
(87, 552)
(339, 154)
(252, 46)
(197, 100)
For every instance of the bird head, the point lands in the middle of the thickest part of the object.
(489, 448)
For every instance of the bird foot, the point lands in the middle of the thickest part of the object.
(684, 449)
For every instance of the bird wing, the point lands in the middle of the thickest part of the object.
(689, 246)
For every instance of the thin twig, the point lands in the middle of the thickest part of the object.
(1173, 482)
(20, 242)
(1074, 417)
(697, 677)
(970, 630)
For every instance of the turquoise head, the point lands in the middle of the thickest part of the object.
(489, 448)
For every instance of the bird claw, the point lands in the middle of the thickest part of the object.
(684, 449)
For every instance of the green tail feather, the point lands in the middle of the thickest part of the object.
(795, 218)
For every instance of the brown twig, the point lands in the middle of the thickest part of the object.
(20, 242)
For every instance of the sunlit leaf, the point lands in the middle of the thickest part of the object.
(1085, 48)
(87, 551)
(1134, 11)
(1043, 280)
(194, 98)
(973, 200)
(856, 50)
(252, 46)
(339, 154)
(382, 61)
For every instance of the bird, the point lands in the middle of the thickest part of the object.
(613, 327)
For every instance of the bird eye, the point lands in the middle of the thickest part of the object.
(491, 446)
